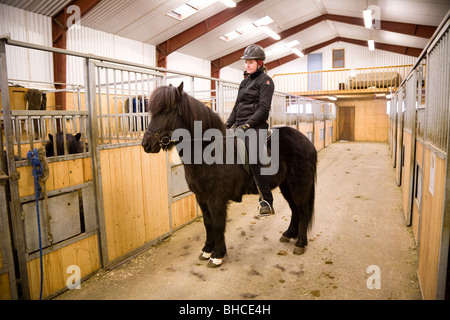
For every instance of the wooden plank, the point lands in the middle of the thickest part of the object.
(60, 175)
(183, 211)
(76, 172)
(83, 253)
(138, 195)
(431, 226)
(147, 194)
(26, 181)
(116, 245)
(87, 169)
(128, 228)
(406, 170)
(5, 288)
(108, 206)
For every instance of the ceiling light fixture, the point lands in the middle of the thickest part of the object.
(292, 44)
(258, 24)
(332, 98)
(229, 3)
(368, 18)
(190, 7)
(271, 33)
(371, 45)
(297, 52)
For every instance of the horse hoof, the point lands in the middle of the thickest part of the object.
(285, 239)
(299, 250)
(205, 255)
(214, 262)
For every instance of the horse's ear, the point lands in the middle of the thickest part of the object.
(78, 136)
(50, 137)
(179, 91)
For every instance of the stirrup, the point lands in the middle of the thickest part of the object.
(271, 212)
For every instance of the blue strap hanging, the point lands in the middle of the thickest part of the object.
(33, 158)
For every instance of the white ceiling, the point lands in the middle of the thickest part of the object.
(147, 21)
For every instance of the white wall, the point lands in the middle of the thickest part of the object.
(25, 64)
(231, 74)
(87, 40)
(355, 57)
(187, 64)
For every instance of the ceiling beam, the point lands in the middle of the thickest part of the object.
(422, 31)
(410, 51)
(59, 36)
(176, 42)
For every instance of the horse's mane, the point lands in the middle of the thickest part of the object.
(166, 98)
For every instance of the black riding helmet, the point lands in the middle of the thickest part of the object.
(254, 52)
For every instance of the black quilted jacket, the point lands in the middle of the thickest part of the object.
(253, 101)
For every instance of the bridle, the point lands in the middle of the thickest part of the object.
(167, 139)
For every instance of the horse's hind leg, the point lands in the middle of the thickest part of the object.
(306, 217)
(207, 221)
(292, 231)
(302, 239)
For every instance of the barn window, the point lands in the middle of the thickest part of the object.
(339, 58)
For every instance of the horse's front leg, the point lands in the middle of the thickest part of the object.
(218, 214)
(207, 221)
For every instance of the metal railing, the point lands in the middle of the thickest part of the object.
(376, 79)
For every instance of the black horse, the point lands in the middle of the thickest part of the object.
(214, 185)
(73, 142)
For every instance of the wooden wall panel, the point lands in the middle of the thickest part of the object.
(135, 198)
(5, 289)
(84, 254)
(416, 210)
(62, 174)
(318, 143)
(305, 127)
(371, 119)
(431, 226)
(183, 211)
(328, 137)
(406, 170)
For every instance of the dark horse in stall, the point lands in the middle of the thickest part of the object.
(73, 142)
(214, 185)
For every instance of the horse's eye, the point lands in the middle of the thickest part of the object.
(166, 111)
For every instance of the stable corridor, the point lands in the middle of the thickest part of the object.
(360, 247)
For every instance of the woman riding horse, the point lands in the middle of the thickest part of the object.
(251, 112)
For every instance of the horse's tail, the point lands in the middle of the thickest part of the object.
(312, 196)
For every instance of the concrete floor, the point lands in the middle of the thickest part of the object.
(358, 223)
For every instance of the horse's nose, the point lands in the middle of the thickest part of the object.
(145, 143)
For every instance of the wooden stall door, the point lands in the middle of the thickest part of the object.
(347, 123)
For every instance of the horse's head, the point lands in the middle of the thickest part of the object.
(73, 142)
(164, 106)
